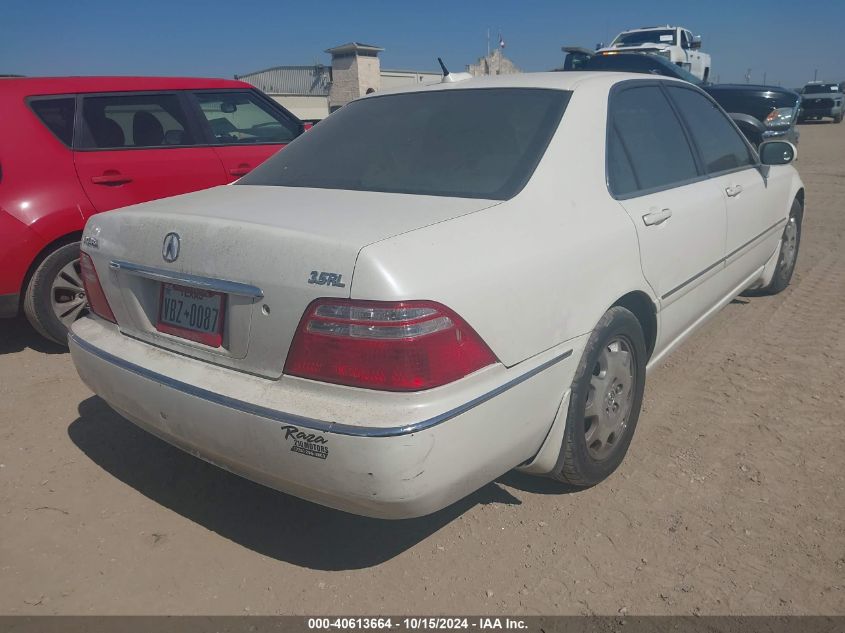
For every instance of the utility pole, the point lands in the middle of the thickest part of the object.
(748, 76)
(488, 41)
(815, 74)
(764, 77)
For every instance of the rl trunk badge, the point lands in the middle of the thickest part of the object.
(170, 248)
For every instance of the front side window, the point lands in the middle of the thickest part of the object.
(643, 129)
(130, 121)
(471, 143)
(719, 142)
(57, 114)
(238, 118)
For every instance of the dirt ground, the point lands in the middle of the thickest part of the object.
(731, 498)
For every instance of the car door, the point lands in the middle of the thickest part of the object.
(754, 215)
(134, 147)
(679, 214)
(244, 128)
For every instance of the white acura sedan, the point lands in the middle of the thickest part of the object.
(433, 287)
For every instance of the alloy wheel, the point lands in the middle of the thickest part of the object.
(67, 294)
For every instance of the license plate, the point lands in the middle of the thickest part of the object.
(192, 313)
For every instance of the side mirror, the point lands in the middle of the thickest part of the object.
(777, 152)
(696, 42)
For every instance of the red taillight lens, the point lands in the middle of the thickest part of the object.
(396, 346)
(93, 290)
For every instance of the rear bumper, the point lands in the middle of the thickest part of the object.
(410, 468)
(9, 306)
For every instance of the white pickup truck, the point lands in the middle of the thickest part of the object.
(675, 43)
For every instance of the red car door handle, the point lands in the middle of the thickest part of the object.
(111, 179)
(241, 170)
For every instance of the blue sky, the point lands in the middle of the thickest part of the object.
(211, 38)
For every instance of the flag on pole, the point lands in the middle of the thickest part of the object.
(501, 41)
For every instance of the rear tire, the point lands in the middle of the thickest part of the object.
(55, 297)
(605, 401)
(837, 118)
(788, 256)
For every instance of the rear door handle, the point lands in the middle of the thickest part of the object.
(657, 217)
(241, 170)
(733, 191)
(111, 178)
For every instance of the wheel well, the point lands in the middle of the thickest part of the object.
(643, 308)
(57, 243)
(800, 197)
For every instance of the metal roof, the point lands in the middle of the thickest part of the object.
(307, 81)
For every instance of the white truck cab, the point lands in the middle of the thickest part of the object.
(675, 43)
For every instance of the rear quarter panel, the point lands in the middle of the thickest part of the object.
(39, 190)
(535, 271)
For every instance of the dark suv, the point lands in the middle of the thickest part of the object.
(820, 99)
(760, 112)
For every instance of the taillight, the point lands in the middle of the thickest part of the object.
(97, 301)
(392, 346)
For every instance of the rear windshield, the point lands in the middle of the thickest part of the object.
(468, 143)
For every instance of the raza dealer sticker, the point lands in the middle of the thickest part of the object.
(311, 444)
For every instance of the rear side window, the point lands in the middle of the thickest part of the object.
(721, 146)
(138, 120)
(644, 129)
(57, 114)
(470, 143)
(239, 118)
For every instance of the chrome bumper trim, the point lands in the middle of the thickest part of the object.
(195, 281)
(311, 423)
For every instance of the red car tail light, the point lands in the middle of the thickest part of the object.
(93, 290)
(392, 346)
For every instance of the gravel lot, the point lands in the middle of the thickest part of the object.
(731, 499)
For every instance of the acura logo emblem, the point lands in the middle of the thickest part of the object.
(170, 248)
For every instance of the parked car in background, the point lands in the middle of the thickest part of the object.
(761, 112)
(676, 44)
(638, 63)
(385, 328)
(76, 146)
(822, 100)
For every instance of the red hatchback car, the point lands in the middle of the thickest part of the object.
(75, 146)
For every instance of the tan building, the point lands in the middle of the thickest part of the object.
(312, 92)
(493, 64)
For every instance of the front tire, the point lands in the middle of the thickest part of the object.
(55, 297)
(605, 401)
(789, 244)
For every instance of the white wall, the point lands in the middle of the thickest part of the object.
(393, 79)
(304, 107)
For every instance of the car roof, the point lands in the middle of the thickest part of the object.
(554, 80)
(28, 86)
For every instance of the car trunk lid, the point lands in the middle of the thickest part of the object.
(269, 251)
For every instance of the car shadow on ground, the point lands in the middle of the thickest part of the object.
(17, 335)
(266, 521)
